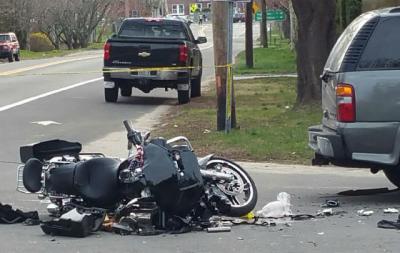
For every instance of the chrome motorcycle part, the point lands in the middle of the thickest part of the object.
(241, 191)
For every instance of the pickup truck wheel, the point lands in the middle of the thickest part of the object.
(184, 95)
(10, 57)
(196, 87)
(393, 174)
(126, 92)
(111, 94)
(16, 57)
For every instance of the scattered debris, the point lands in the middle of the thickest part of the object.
(321, 233)
(331, 203)
(206, 131)
(325, 212)
(390, 210)
(363, 212)
(240, 238)
(10, 216)
(218, 229)
(277, 209)
(389, 224)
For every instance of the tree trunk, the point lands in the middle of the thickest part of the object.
(263, 25)
(293, 26)
(316, 36)
(286, 25)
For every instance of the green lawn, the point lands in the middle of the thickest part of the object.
(276, 59)
(25, 54)
(270, 127)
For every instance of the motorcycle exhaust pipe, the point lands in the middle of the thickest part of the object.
(209, 174)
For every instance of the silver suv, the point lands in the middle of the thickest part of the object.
(361, 97)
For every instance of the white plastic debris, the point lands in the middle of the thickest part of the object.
(321, 233)
(277, 209)
(363, 212)
(390, 210)
(325, 212)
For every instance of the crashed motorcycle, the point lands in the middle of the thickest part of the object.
(162, 177)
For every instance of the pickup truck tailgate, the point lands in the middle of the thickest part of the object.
(128, 53)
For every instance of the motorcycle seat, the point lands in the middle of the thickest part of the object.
(97, 181)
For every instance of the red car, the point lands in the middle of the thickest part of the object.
(9, 46)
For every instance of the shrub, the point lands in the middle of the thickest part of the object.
(40, 43)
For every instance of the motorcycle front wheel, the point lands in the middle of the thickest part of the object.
(241, 192)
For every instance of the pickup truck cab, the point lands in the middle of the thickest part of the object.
(149, 53)
(9, 47)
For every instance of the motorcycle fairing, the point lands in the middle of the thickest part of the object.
(48, 149)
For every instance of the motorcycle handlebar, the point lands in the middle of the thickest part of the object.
(128, 126)
(134, 136)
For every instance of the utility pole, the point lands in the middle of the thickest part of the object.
(220, 30)
(263, 25)
(249, 35)
(222, 12)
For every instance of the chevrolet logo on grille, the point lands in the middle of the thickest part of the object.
(144, 54)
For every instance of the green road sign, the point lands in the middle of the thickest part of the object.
(272, 15)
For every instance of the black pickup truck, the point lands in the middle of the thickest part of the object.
(149, 53)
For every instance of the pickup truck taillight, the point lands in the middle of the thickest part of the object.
(107, 48)
(183, 53)
(346, 103)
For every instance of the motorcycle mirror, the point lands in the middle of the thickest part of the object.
(146, 136)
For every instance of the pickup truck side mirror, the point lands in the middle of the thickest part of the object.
(201, 40)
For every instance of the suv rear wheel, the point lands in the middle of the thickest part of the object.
(393, 174)
(16, 57)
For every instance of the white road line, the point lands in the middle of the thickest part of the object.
(28, 100)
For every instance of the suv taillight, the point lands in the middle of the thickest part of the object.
(183, 53)
(107, 48)
(346, 103)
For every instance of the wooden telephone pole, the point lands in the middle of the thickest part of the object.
(249, 35)
(222, 34)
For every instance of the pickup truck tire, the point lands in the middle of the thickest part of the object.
(111, 94)
(196, 86)
(393, 174)
(126, 92)
(16, 57)
(184, 95)
(10, 57)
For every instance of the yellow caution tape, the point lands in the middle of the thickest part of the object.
(114, 70)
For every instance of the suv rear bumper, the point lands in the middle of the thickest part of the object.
(326, 142)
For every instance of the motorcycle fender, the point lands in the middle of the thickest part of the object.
(203, 161)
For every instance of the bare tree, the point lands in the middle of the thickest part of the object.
(72, 22)
(316, 37)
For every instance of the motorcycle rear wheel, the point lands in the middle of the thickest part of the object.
(242, 192)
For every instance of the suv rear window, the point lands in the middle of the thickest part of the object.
(338, 52)
(382, 51)
(4, 37)
(143, 29)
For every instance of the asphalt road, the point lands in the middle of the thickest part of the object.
(75, 103)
